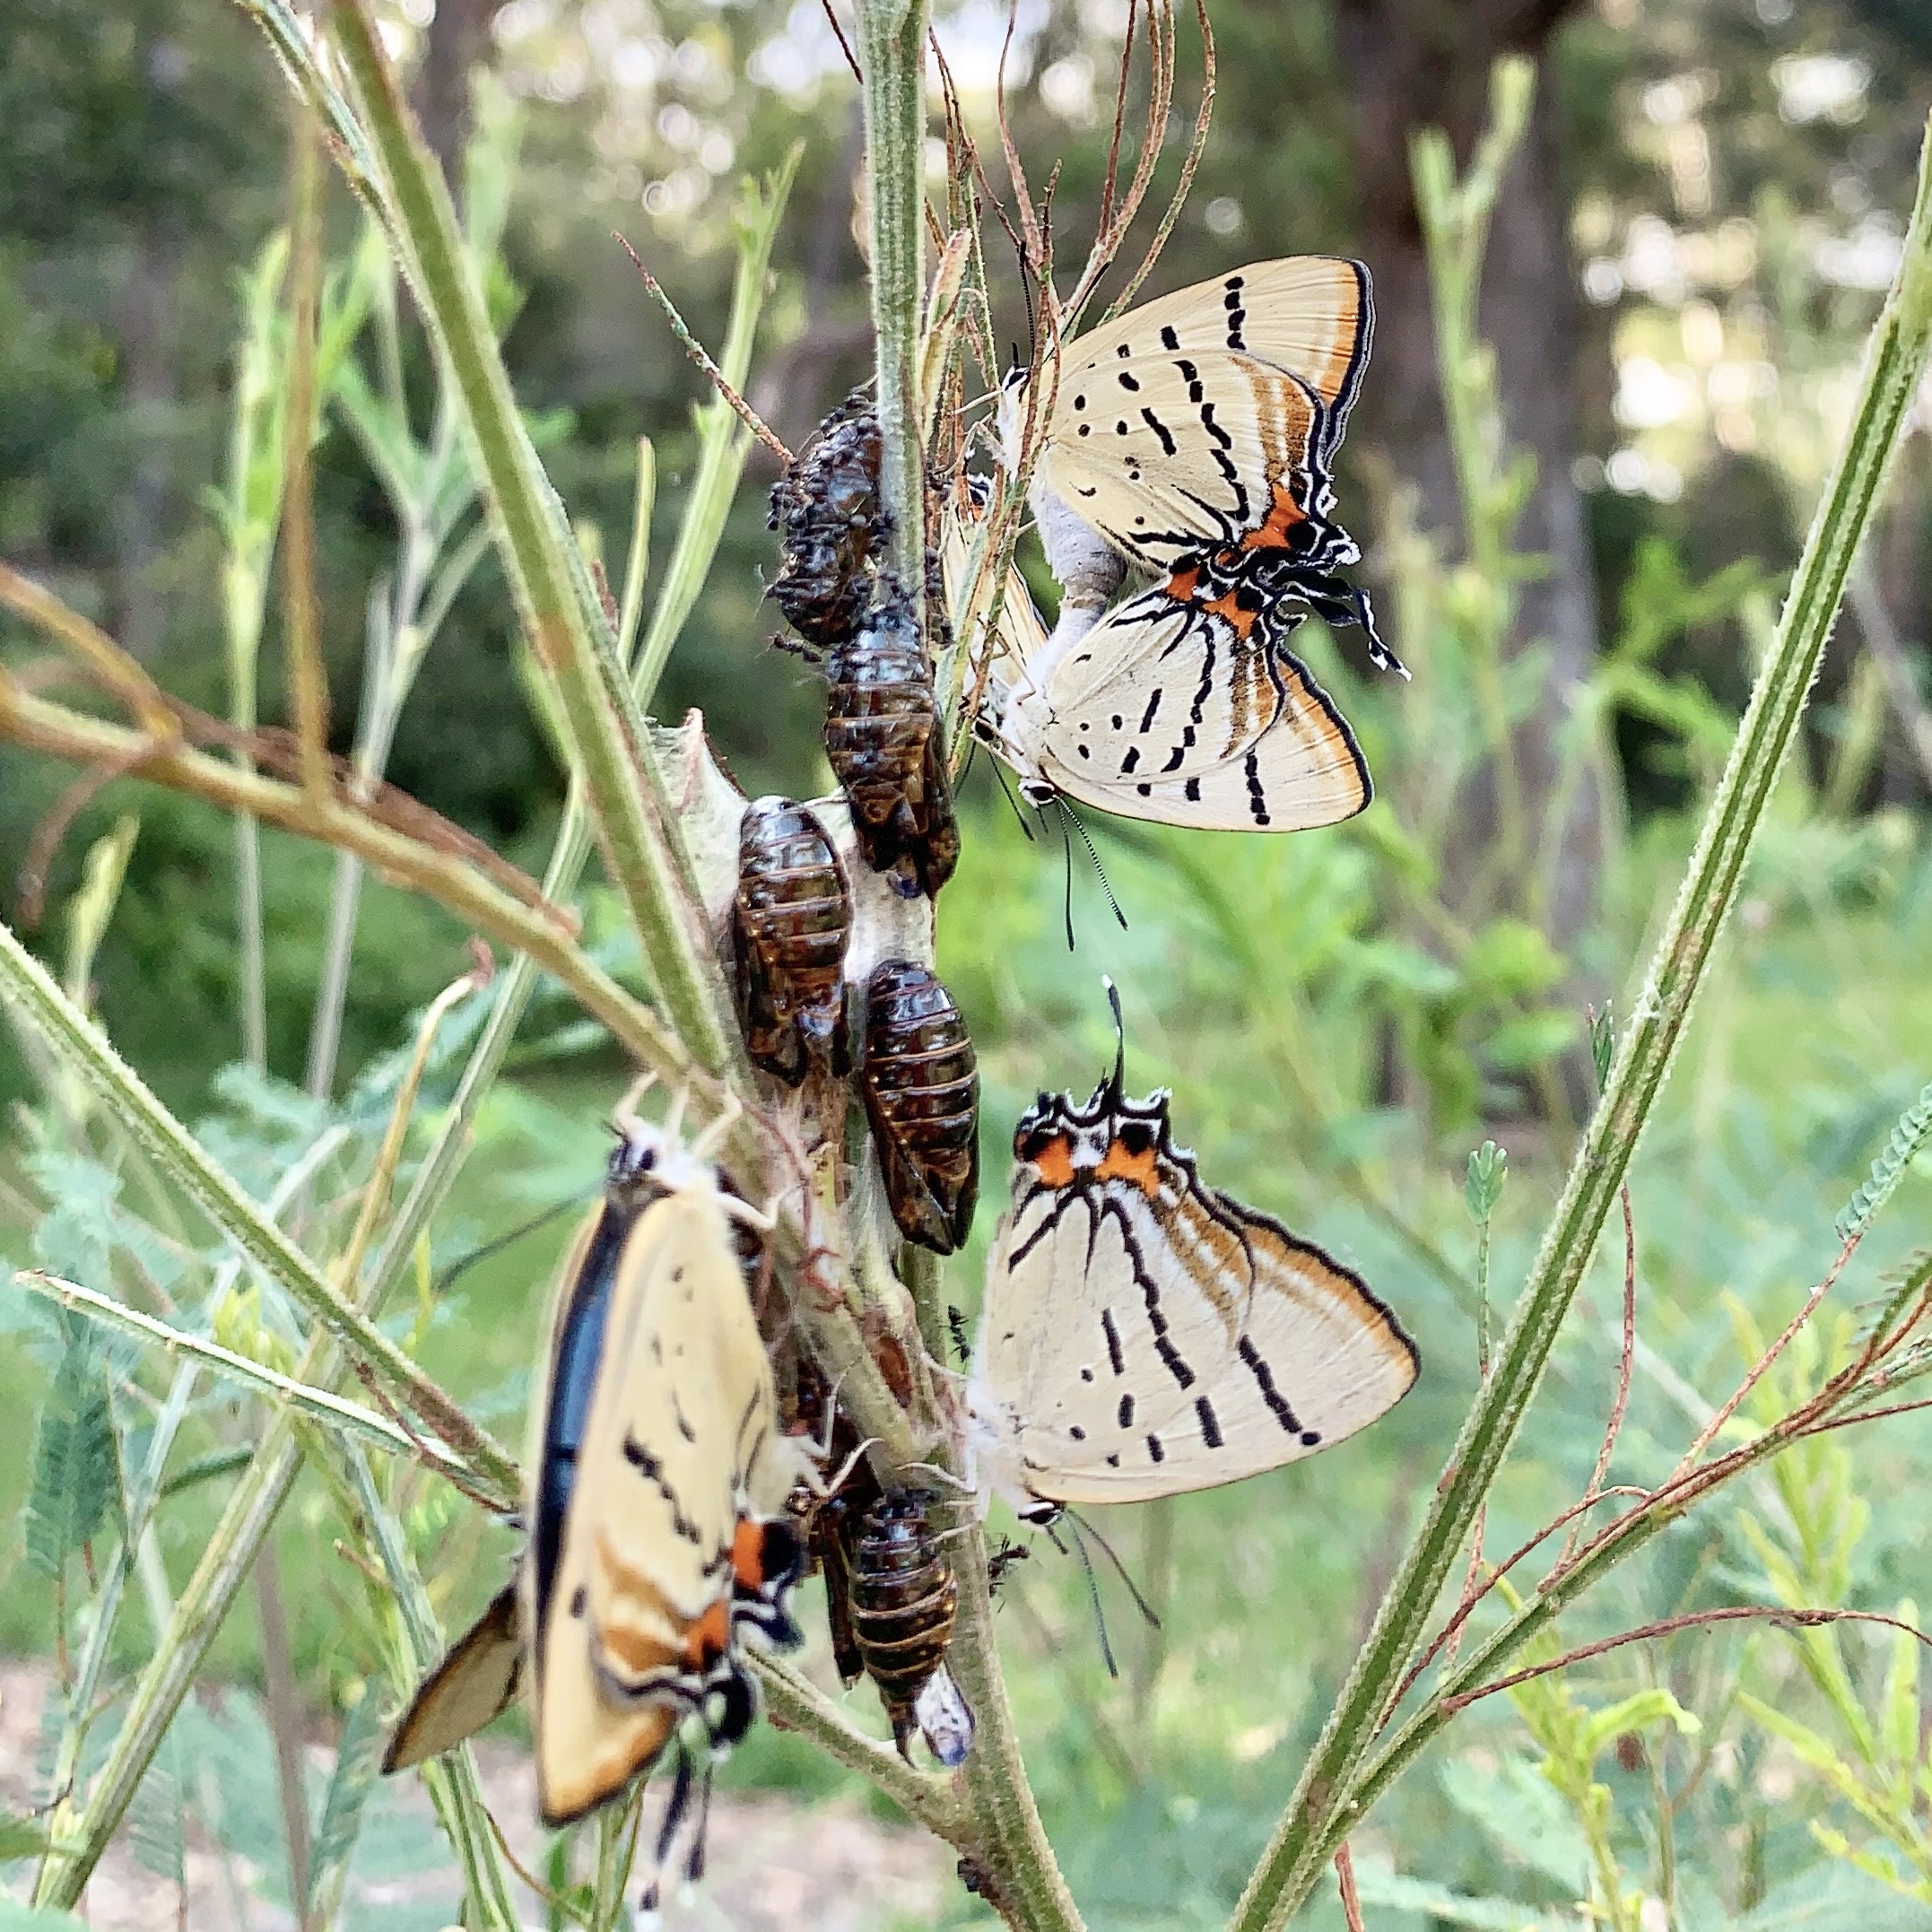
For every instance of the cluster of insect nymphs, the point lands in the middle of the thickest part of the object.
(1141, 1333)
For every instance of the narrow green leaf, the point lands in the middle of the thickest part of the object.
(74, 1483)
(1908, 1137)
(358, 1766)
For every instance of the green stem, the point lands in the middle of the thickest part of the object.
(723, 443)
(891, 54)
(26, 984)
(1012, 1851)
(1329, 1793)
(321, 1404)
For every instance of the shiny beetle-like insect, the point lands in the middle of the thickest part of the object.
(883, 740)
(790, 918)
(920, 1086)
(903, 1599)
(831, 525)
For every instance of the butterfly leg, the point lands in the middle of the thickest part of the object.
(627, 1108)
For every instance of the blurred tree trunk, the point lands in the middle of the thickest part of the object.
(1417, 62)
(459, 37)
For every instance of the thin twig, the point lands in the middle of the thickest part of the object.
(1763, 1364)
(1344, 1872)
(103, 658)
(1618, 1408)
(697, 352)
(75, 797)
(1445, 1639)
(1669, 1626)
(845, 46)
(1197, 147)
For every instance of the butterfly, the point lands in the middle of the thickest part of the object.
(1144, 1334)
(657, 1524)
(1182, 711)
(1193, 438)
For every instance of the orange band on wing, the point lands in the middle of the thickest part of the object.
(704, 1642)
(1283, 513)
(1054, 1162)
(1137, 1169)
(748, 1553)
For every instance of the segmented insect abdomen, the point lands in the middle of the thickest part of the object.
(904, 1599)
(831, 525)
(883, 740)
(790, 919)
(920, 1084)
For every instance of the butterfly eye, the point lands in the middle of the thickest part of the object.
(1136, 1137)
(647, 1160)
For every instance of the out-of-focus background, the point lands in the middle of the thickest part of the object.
(1686, 251)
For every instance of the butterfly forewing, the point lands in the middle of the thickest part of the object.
(637, 1620)
(1320, 1356)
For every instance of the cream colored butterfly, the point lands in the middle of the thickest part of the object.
(1144, 1334)
(1194, 439)
(1165, 710)
(658, 1532)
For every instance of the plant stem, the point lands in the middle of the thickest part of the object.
(301, 607)
(320, 1404)
(26, 984)
(439, 874)
(1012, 1856)
(891, 54)
(1329, 1799)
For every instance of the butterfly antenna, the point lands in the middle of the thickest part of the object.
(1100, 871)
(1116, 1089)
(458, 1269)
(1120, 1570)
(1067, 845)
(1011, 800)
(1093, 1583)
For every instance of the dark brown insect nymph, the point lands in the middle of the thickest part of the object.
(832, 527)
(904, 1597)
(882, 738)
(790, 918)
(920, 1084)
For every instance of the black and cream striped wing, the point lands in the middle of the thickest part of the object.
(640, 1614)
(1172, 712)
(1213, 413)
(1190, 1342)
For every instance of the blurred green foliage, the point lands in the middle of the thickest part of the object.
(1337, 1036)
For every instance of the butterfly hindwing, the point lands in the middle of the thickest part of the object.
(473, 1686)
(639, 1623)
(1144, 1335)
(1187, 714)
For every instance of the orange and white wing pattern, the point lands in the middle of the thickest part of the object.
(1144, 1335)
(1211, 414)
(1190, 714)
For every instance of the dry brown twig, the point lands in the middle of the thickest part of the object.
(699, 355)
(1345, 1873)
(1668, 1626)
